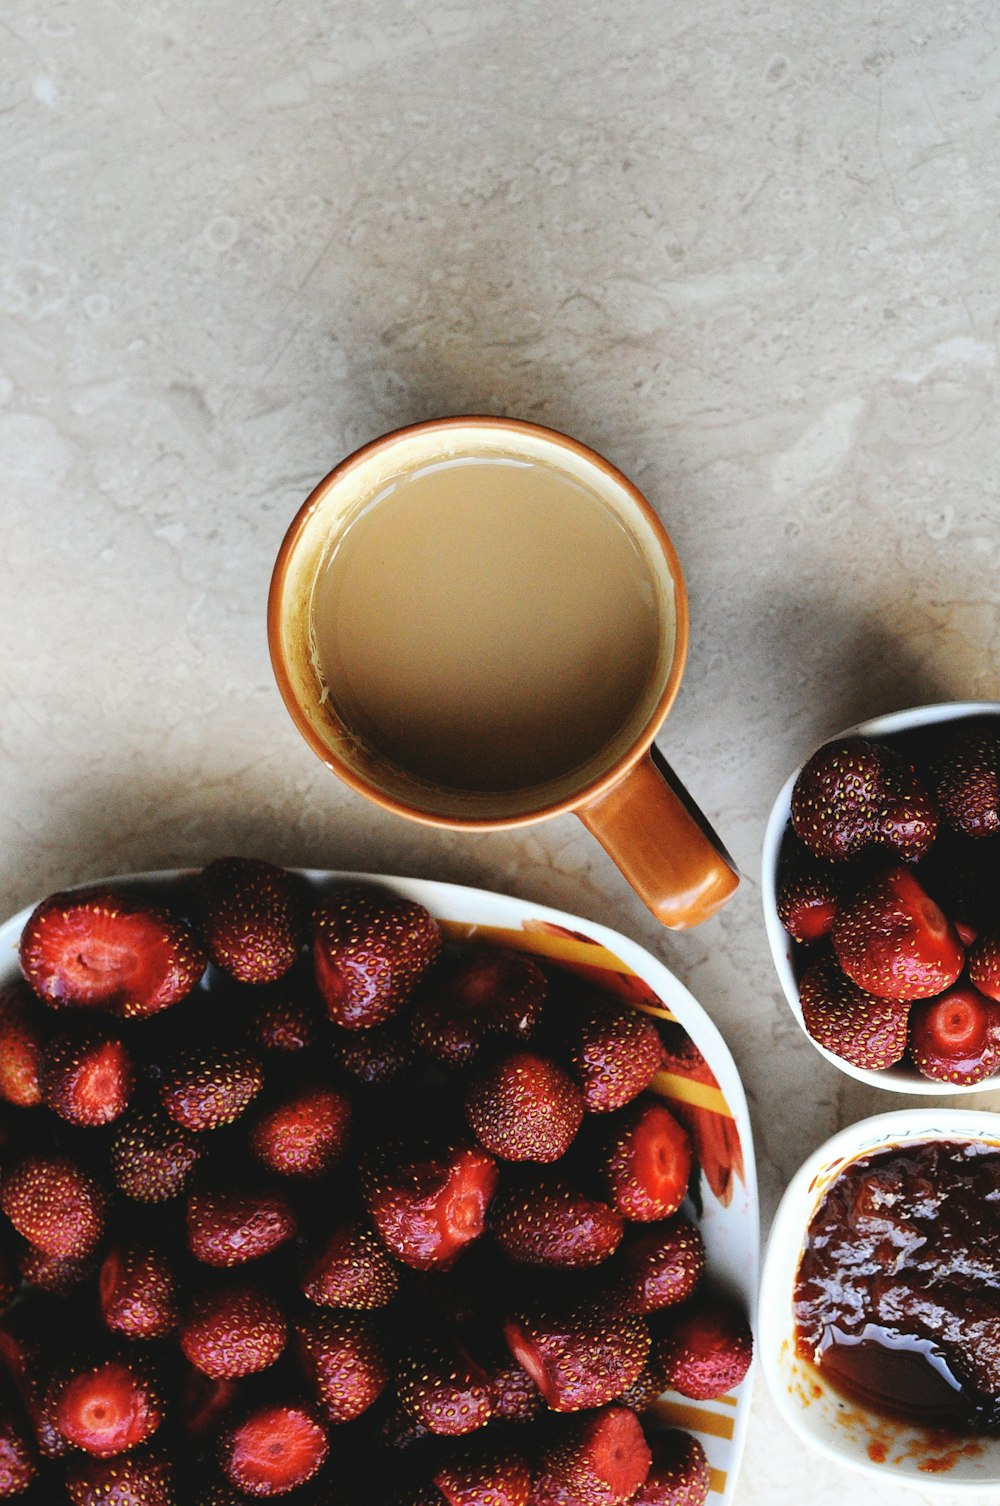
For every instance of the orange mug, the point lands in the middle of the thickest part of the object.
(588, 593)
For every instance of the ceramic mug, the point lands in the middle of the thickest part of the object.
(624, 793)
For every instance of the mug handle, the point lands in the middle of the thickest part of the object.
(650, 827)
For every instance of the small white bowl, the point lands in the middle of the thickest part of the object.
(886, 1449)
(901, 1078)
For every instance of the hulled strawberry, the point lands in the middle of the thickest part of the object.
(646, 1162)
(855, 796)
(273, 1449)
(808, 892)
(229, 1226)
(444, 1389)
(345, 1359)
(207, 1088)
(614, 1055)
(545, 1222)
(581, 1357)
(370, 950)
(18, 1459)
(252, 918)
(966, 783)
(152, 1157)
(137, 1291)
(707, 1349)
(956, 1037)
(893, 941)
(233, 1328)
(662, 1267)
(679, 1474)
(351, 1270)
(108, 948)
(105, 1408)
(304, 1134)
(135, 1479)
(523, 1108)
(87, 1076)
(853, 1024)
(600, 1459)
(22, 1041)
(54, 1205)
(427, 1209)
(471, 1476)
(477, 995)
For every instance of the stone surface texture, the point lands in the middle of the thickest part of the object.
(749, 251)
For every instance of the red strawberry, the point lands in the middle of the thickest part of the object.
(840, 1016)
(662, 1267)
(615, 1053)
(598, 1460)
(679, 1474)
(203, 1090)
(56, 1274)
(18, 1461)
(251, 918)
(304, 1134)
(855, 795)
(105, 1408)
(472, 1477)
(984, 962)
(524, 1109)
(707, 1349)
(648, 1386)
(894, 941)
(516, 1398)
(229, 1226)
(285, 1016)
(445, 1390)
(274, 1449)
(370, 949)
(234, 1328)
(345, 1360)
(966, 782)
(55, 1205)
(807, 894)
(545, 1222)
(480, 993)
(22, 1041)
(647, 1162)
(204, 1402)
(582, 1357)
(105, 947)
(376, 1056)
(138, 1292)
(152, 1157)
(427, 1210)
(137, 1479)
(87, 1076)
(956, 1037)
(351, 1270)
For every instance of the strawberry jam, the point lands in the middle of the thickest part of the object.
(897, 1298)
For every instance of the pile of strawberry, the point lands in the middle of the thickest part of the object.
(889, 880)
(299, 1201)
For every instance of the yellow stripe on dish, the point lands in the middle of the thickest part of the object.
(698, 1094)
(542, 943)
(657, 1010)
(680, 1416)
(717, 1481)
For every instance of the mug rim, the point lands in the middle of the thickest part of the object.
(595, 788)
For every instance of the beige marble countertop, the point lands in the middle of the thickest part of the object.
(747, 250)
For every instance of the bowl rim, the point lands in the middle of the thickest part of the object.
(784, 1247)
(891, 1079)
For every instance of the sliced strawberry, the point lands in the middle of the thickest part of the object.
(807, 894)
(854, 796)
(105, 1409)
(234, 1328)
(472, 1476)
(679, 1474)
(87, 1076)
(427, 1210)
(600, 1459)
(205, 1089)
(544, 1222)
(18, 1459)
(662, 1267)
(135, 1479)
(274, 1449)
(286, 1016)
(853, 1024)
(524, 1108)
(152, 1158)
(304, 1134)
(984, 962)
(707, 1349)
(445, 1390)
(584, 1356)
(370, 949)
(480, 993)
(252, 918)
(647, 1162)
(351, 1270)
(376, 1056)
(966, 782)
(108, 948)
(137, 1290)
(229, 1226)
(893, 941)
(615, 1052)
(345, 1360)
(54, 1205)
(956, 1037)
(22, 1041)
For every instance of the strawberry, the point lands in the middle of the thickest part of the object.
(445, 1390)
(204, 1402)
(135, 1479)
(375, 1056)
(893, 941)
(545, 1222)
(662, 1267)
(351, 1270)
(345, 1360)
(137, 1291)
(840, 1016)
(648, 1386)
(18, 1461)
(233, 1328)
(524, 1109)
(54, 1205)
(273, 1449)
(855, 796)
(615, 1053)
(807, 894)
(304, 1134)
(370, 949)
(152, 1158)
(251, 918)
(984, 962)
(105, 1408)
(600, 1459)
(429, 1208)
(707, 1349)
(581, 1357)
(679, 1474)
(22, 1040)
(956, 1037)
(482, 992)
(204, 1089)
(87, 1076)
(229, 1226)
(966, 783)
(472, 1476)
(56, 1274)
(646, 1162)
(516, 1398)
(108, 948)
(285, 1016)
